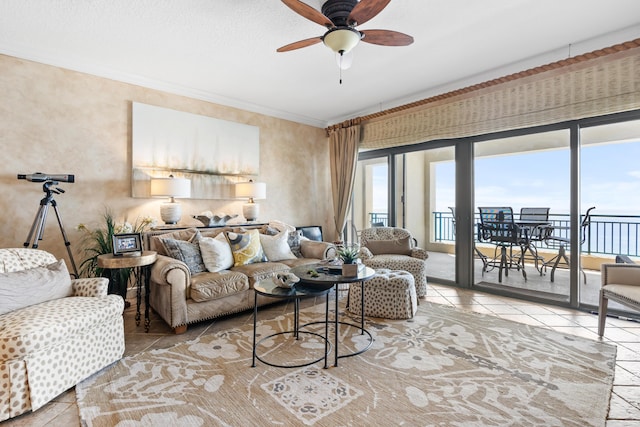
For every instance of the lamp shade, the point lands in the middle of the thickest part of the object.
(342, 39)
(251, 190)
(171, 187)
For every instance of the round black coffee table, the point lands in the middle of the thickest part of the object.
(268, 289)
(322, 275)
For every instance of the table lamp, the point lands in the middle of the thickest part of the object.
(251, 190)
(170, 211)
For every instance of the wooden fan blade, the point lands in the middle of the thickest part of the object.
(300, 44)
(365, 10)
(308, 12)
(386, 38)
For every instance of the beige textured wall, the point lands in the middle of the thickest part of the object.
(58, 121)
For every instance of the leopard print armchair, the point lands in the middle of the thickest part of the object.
(394, 248)
(51, 341)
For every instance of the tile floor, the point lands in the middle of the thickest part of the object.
(625, 401)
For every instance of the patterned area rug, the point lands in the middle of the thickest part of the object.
(444, 367)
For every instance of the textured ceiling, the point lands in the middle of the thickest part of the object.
(224, 51)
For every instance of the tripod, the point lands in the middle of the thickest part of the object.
(37, 229)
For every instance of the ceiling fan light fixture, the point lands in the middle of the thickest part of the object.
(342, 40)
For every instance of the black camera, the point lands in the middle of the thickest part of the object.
(43, 177)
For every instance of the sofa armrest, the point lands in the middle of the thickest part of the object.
(169, 286)
(318, 250)
(620, 274)
(419, 253)
(166, 270)
(90, 287)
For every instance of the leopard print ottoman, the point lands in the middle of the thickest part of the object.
(391, 294)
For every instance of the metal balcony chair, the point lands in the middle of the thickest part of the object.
(497, 226)
(556, 237)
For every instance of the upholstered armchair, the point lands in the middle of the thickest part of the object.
(54, 331)
(395, 249)
(620, 283)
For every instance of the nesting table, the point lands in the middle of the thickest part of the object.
(315, 280)
(267, 288)
(320, 275)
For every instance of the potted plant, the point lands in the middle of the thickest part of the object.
(350, 255)
(99, 241)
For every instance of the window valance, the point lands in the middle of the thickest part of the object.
(594, 84)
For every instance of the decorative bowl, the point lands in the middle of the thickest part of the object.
(285, 280)
(215, 220)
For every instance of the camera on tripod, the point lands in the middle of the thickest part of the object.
(43, 177)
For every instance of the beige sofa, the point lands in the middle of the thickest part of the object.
(182, 295)
(54, 331)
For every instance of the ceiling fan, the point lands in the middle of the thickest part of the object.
(341, 17)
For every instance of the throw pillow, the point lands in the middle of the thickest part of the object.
(23, 288)
(394, 246)
(216, 253)
(315, 249)
(281, 226)
(187, 252)
(246, 247)
(293, 241)
(189, 235)
(276, 247)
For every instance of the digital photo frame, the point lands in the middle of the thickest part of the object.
(129, 244)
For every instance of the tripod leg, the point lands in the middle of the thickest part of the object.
(37, 229)
(37, 220)
(66, 240)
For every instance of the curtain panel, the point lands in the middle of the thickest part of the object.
(343, 152)
(591, 85)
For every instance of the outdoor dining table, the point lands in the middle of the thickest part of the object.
(532, 231)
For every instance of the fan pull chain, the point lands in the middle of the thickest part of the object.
(340, 65)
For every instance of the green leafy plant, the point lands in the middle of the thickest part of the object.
(99, 241)
(349, 254)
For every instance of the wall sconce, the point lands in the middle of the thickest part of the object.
(171, 211)
(251, 190)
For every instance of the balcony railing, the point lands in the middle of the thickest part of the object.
(606, 234)
(378, 219)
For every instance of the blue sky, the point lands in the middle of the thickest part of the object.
(610, 180)
(379, 176)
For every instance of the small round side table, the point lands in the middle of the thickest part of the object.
(267, 288)
(140, 265)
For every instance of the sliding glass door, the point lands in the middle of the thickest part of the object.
(413, 190)
(610, 177)
(429, 202)
(525, 179)
(370, 206)
(543, 180)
